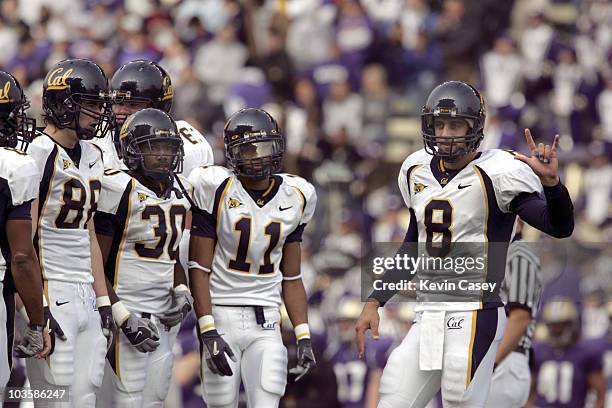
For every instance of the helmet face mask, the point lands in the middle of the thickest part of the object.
(254, 146)
(151, 146)
(257, 159)
(453, 100)
(16, 128)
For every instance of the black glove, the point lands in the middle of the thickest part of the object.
(180, 307)
(53, 326)
(214, 350)
(305, 359)
(108, 325)
(31, 343)
(141, 332)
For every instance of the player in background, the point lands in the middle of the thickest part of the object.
(140, 219)
(17, 257)
(244, 258)
(75, 295)
(358, 379)
(521, 293)
(565, 368)
(457, 194)
(143, 84)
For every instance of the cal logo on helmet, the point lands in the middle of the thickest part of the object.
(124, 129)
(57, 80)
(4, 93)
(168, 93)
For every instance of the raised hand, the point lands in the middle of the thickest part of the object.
(543, 160)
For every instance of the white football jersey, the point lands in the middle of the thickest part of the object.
(68, 199)
(471, 207)
(149, 228)
(250, 232)
(17, 170)
(197, 149)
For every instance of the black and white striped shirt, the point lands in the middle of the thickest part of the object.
(522, 287)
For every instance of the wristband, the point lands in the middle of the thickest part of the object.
(206, 323)
(120, 313)
(302, 331)
(181, 288)
(195, 265)
(292, 278)
(102, 301)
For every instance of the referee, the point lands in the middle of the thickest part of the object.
(521, 293)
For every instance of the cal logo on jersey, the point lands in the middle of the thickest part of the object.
(234, 203)
(142, 197)
(65, 164)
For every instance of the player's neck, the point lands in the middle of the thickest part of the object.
(159, 187)
(252, 184)
(459, 164)
(65, 137)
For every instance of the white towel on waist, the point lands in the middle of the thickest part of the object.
(431, 342)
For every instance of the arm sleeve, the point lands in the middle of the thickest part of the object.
(105, 223)
(396, 275)
(553, 214)
(296, 235)
(20, 212)
(203, 224)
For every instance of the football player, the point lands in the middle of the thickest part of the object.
(244, 248)
(75, 295)
(521, 293)
(140, 219)
(17, 256)
(358, 380)
(565, 368)
(457, 194)
(145, 84)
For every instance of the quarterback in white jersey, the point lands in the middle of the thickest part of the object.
(72, 272)
(139, 224)
(244, 260)
(19, 268)
(456, 195)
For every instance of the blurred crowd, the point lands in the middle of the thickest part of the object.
(346, 79)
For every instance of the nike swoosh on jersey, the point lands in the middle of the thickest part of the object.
(215, 349)
(462, 187)
(285, 208)
(92, 164)
(57, 303)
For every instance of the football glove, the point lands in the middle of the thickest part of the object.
(182, 302)
(305, 359)
(31, 342)
(214, 350)
(141, 332)
(108, 325)
(53, 327)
